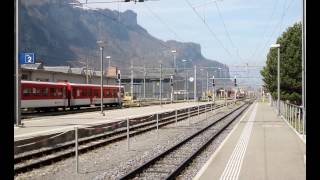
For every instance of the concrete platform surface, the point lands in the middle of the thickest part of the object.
(260, 147)
(52, 124)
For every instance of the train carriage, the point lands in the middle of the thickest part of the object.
(46, 95)
(42, 95)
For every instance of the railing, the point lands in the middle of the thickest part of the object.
(293, 114)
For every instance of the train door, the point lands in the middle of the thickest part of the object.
(69, 95)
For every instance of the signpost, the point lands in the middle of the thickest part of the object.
(27, 58)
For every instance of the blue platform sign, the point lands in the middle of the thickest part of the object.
(27, 58)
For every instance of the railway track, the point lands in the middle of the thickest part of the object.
(170, 163)
(35, 159)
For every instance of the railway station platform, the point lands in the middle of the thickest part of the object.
(262, 146)
(53, 124)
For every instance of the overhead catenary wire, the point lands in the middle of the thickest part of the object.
(226, 30)
(278, 27)
(162, 22)
(264, 30)
(208, 27)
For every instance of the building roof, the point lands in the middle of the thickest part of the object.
(64, 69)
(77, 70)
(32, 66)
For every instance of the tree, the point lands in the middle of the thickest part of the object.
(290, 66)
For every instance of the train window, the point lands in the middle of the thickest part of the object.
(78, 92)
(59, 91)
(45, 92)
(52, 92)
(89, 92)
(34, 91)
(74, 92)
(84, 92)
(26, 92)
(108, 93)
(96, 92)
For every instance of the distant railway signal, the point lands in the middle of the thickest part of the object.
(213, 81)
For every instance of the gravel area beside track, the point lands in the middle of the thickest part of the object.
(112, 161)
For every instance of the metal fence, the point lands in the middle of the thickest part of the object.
(293, 115)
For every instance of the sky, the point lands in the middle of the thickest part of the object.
(233, 32)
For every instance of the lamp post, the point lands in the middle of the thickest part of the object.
(174, 59)
(207, 86)
(108, 58)
(195, 83)
(160, 84)
(278, 76)
(186, 95)
(101, 45)
(144, 81)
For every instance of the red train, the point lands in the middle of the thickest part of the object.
(53, 95)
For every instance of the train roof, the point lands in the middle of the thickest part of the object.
(41, 82)
(65, 83)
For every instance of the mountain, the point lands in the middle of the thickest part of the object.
(62, 34)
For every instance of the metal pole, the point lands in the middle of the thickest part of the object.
(187, 86)
(101, 89)
(207, 87)
(87, 76)
(205, 111)
(119, 89)
(188, 116)
(174, 61)
(128, 135)
(160, 85)
(157, 124)
(76, 148)
(195, 83)
(131, 87)
(198, 110)
(171, 95)
(303, 66)
(278, 103)
(176, 113)
(213, 95)
(17, 70)
(144, 82)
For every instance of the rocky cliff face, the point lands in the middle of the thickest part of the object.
(61, 34)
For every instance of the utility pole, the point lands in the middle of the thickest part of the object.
(195, 83)
(278, 82)
(87, 76)
(207, 86)
(17, 69)
(119, 78)
(131, 87)
(171, 85)
(100, 43)
(160, 85)
(144, 81)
